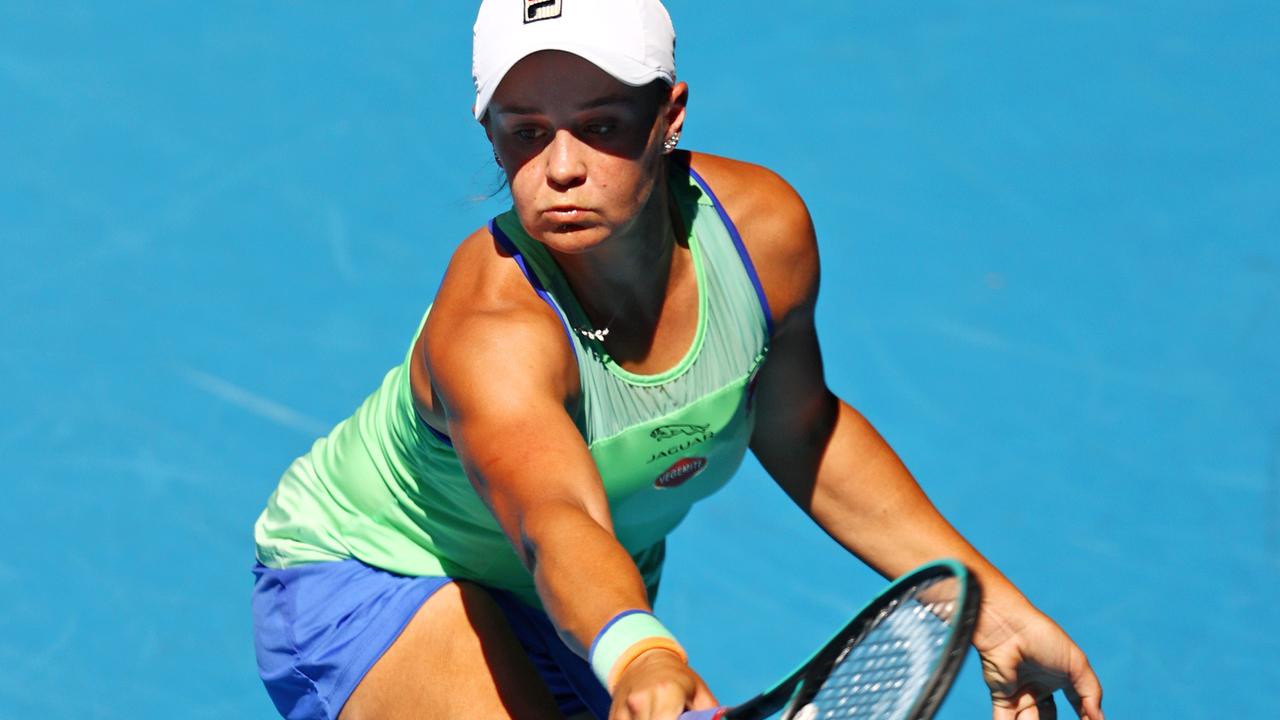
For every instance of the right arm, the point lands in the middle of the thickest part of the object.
(502, 376)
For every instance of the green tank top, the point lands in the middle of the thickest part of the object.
(389, 490)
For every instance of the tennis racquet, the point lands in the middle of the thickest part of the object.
(895, 660)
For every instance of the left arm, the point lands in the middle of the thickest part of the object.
(833, 464)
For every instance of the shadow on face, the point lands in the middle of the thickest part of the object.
(582, 151)
(550, 92)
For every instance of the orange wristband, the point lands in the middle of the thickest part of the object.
(624, 638)
(629, 656)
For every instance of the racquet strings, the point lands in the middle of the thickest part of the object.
(881, 672)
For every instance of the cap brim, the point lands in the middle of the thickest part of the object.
(624, 69)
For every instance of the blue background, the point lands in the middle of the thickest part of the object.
(1051, 241)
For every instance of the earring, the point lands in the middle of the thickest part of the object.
(496, 158)
(669, 146)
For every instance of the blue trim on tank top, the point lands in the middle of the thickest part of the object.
(510, 247)
(742, 249)
(538, 288)
(529, 275)
(439, 435)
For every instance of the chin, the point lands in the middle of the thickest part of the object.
(573, 239)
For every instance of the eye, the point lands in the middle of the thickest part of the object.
(527, 134)
(601, 128)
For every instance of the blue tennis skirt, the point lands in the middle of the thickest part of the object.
(319, 628)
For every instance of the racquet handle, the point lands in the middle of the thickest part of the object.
(712, 714)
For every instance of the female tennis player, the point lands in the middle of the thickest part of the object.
(483, 538)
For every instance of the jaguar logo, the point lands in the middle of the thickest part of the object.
(666, 432)
(685, 435)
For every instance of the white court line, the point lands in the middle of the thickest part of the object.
(266, 408)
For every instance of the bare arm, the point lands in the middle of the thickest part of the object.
(833, 464)
(501, 372)
(500, 376)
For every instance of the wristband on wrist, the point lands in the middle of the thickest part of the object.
(623, 639)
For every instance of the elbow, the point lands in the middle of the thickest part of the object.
(553, 523)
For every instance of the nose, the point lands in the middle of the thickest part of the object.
(566, 166)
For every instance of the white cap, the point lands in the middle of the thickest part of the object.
(632, 40)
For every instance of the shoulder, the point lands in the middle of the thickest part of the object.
(489, 334)
(775, 226)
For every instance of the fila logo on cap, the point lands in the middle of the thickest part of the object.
(535, 10)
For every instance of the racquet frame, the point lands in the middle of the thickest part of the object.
(803, 683)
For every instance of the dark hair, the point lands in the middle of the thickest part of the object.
(501, 186)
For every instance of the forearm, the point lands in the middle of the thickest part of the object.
(867, 500)
(583, 575)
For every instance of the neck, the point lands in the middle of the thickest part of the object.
(623, 282)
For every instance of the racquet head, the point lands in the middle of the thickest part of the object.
(895, 660)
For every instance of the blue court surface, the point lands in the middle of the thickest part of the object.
(1051, 236)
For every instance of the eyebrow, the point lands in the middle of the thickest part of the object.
(602, 101)
(607, 100)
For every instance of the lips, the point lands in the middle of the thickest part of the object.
(567, 214)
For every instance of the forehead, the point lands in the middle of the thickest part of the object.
(552, 80)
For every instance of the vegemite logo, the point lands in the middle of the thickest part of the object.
(535, 10)
(681, 472)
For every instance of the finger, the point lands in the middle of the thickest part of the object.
(1088, 708)
(702, 698)
(1035, 705)
(1092, 709)
(637, 705)
(1017, 711)
(1085, 693)
(1001, 712)
(1047, 707)
(669, 701)
(1013, 708)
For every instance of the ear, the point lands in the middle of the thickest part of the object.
(677, 101)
